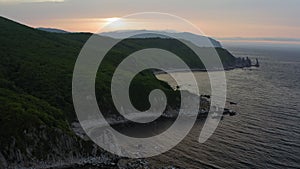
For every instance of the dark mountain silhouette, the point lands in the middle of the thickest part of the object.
(199, 40)
(53, 30)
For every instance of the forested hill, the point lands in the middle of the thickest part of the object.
(35, 91)
(36, 84)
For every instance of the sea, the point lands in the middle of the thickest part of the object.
(266, 131)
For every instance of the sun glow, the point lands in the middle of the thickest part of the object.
(110, 20)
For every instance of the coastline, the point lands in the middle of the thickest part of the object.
(105, 159)
(158, 72)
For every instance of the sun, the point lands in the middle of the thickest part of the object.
(110, 20)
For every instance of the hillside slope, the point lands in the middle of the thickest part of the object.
(36, 106)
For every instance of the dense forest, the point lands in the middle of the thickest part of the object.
(36, 83)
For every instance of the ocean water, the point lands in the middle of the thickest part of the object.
(266, 131)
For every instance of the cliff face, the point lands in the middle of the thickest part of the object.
(41, 144)
(44, 148)
(243, 62)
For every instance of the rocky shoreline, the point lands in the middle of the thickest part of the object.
(125, 163)
(239, 64)
(69, 151)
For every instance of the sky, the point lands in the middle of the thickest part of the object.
(217, 18)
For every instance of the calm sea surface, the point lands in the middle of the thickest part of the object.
(266, 131)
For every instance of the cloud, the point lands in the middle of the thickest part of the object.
(27, 1)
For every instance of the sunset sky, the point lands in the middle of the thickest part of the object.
(216, 18)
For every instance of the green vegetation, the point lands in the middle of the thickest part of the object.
(36, 77)
(35, 80)
(145, 81)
